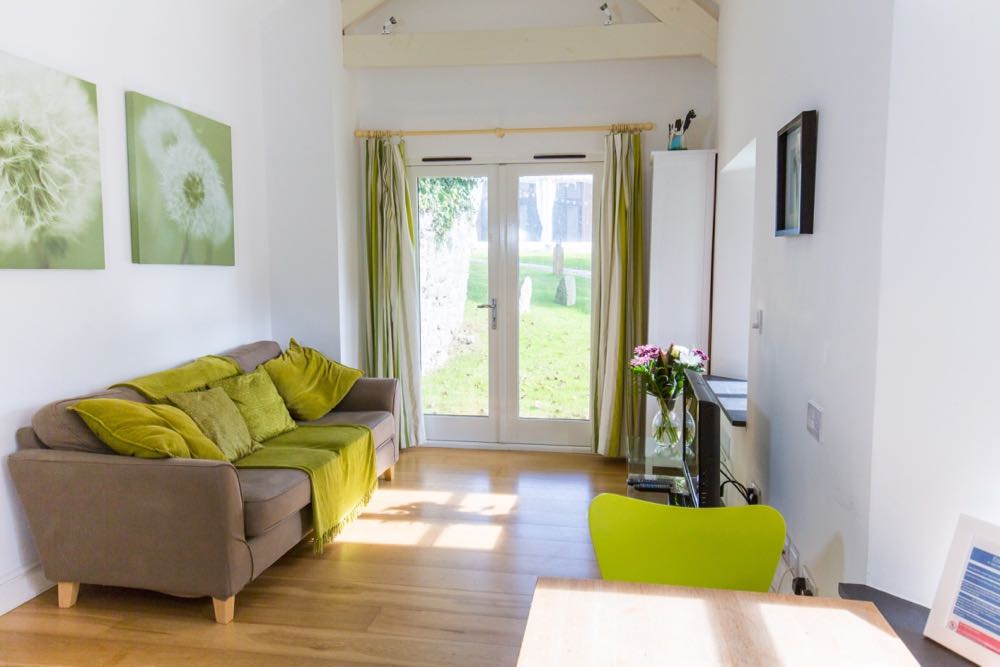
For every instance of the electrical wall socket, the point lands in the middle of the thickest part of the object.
(814, 420)
(810, 582)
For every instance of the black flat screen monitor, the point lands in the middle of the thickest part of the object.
(701, 459)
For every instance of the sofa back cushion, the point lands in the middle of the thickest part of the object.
(58, 427)
(219, 419)
(252, 355)
(310, 383)
(260, 404)
(146, 431)
(191, 376)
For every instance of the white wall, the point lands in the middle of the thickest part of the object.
(69, 332)
(311, 182)
(819, 293)
(736, 193)
(936, 452)
(539, 96)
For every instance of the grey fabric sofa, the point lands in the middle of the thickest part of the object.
(185, 527)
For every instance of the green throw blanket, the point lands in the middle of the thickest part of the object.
(189, 377)
(340, 462)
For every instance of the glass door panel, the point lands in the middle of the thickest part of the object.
(453, 217)
(555, 229)
(550, 244)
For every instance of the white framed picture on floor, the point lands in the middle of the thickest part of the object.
(965, 616)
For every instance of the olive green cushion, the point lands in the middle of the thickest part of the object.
(259, 403)
(145, 430)
(310, 383)
(219, 419)
(189, 377)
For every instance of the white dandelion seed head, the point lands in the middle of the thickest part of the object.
(194, 195)
(161, 128)
(49, 160)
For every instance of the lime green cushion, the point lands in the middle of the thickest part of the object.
(189, 377)
(310, 383)
(145, 430)
(259, 403)
(219, 419)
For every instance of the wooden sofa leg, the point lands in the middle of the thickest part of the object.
(68, 591)
(387, 475)
(224, 609)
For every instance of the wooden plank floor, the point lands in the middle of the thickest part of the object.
(438, 571)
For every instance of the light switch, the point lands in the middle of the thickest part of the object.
(814, 420)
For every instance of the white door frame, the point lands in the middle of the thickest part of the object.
(503, 428)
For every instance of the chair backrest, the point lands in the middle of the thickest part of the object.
(719, 547)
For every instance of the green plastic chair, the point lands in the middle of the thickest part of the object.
(736, 548)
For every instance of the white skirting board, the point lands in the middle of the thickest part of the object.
(509, 446)
(22, 584)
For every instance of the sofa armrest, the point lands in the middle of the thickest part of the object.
(171, 525)
(372, 394)
(375, 394)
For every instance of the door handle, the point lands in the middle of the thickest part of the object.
(492, 305)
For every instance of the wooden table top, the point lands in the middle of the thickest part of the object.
(596, 622)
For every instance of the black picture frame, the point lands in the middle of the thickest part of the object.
(796, 184)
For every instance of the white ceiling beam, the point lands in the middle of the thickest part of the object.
(354, 10)
(687, 16)
(522, 46)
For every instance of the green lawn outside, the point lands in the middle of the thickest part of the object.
(554, 354)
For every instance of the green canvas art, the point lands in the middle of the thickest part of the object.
(180, 168)
(50, 170)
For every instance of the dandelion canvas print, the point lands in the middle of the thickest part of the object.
(180, 185)
(50, 171)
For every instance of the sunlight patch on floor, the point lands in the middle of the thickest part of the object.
(404, 501)
(469, 536)
(488, 504)
(480, 537)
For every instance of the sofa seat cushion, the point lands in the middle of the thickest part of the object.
(381, 423)
(271, 495)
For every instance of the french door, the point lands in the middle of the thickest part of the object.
(505, 263)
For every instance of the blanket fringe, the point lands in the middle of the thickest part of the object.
(320, 541)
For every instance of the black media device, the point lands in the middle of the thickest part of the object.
(701, 461)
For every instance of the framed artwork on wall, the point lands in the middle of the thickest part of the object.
(180, 172)
(50, 169)
(796, 176)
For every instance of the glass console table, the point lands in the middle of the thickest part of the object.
(655, 477)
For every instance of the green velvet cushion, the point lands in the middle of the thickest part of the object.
(309, 382)
(218, 418)
(145, 430)
(259, 403)
(189, 377)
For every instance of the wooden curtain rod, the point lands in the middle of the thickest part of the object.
(501, 132)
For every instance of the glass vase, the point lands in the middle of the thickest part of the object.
(667, 429)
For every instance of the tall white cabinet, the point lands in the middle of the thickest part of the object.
(680, 247)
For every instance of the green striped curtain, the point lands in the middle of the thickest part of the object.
(620, 297)
(393, 345)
